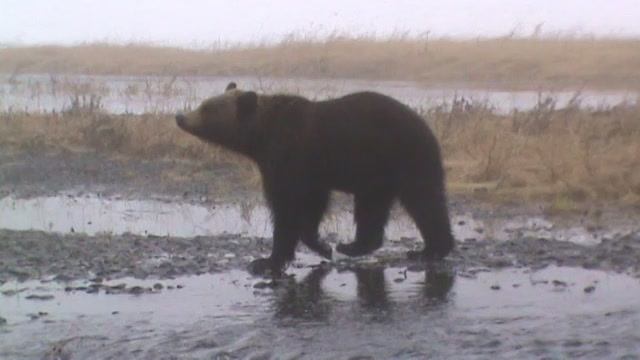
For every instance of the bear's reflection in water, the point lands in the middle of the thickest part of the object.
(308, 300)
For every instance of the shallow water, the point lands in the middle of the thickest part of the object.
(328, 313)
(92, 214)
(129, 94)
(473, 306)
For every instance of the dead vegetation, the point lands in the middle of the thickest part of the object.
(564, 156)
(510, 62)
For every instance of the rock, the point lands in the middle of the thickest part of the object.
(495, 287)
(157, 286)
(589, 289)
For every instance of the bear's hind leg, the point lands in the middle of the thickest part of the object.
(371, 215)
(427, 206)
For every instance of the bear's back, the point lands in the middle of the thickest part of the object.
(367, 135)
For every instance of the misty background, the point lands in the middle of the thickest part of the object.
(202, 23)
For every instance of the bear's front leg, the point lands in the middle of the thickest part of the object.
(285, 238)
(261, 267)
(313, 207)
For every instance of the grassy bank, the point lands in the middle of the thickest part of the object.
(512, 63)
(565, 157)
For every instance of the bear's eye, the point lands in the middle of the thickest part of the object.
(207, 109)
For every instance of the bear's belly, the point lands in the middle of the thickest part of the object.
(353, 179)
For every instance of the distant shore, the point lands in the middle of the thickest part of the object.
(504, 63)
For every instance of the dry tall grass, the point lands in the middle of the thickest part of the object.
(504, 62)
(565, 156)
(568, 155)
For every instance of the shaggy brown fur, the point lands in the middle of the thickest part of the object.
(365, 143)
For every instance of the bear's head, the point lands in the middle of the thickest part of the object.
(224, 120)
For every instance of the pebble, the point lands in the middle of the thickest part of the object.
(495, 287)
(559, 283)
(589, 289)
(62, 278)
(39, 297)
(12, 292)
(3, 321)
(118, 287)
(263, 285)
(136, 290)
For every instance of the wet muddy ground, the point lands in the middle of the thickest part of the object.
(92, 266)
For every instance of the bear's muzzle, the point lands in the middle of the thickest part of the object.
(181, 120)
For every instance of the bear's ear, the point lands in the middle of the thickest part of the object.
(231, 86)
(247, 103)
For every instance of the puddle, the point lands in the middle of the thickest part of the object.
(129, 94)
(92, 214)
(329, 313)
(218, 295)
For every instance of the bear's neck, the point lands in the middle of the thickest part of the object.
(264, 133)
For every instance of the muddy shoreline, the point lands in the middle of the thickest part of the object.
(26, 174)
(29, 255)
(29, 174)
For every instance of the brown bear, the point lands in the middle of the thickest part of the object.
(365, 143)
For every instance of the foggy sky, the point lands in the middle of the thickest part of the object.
(202, 22)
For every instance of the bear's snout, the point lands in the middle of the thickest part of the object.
(181, 119)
